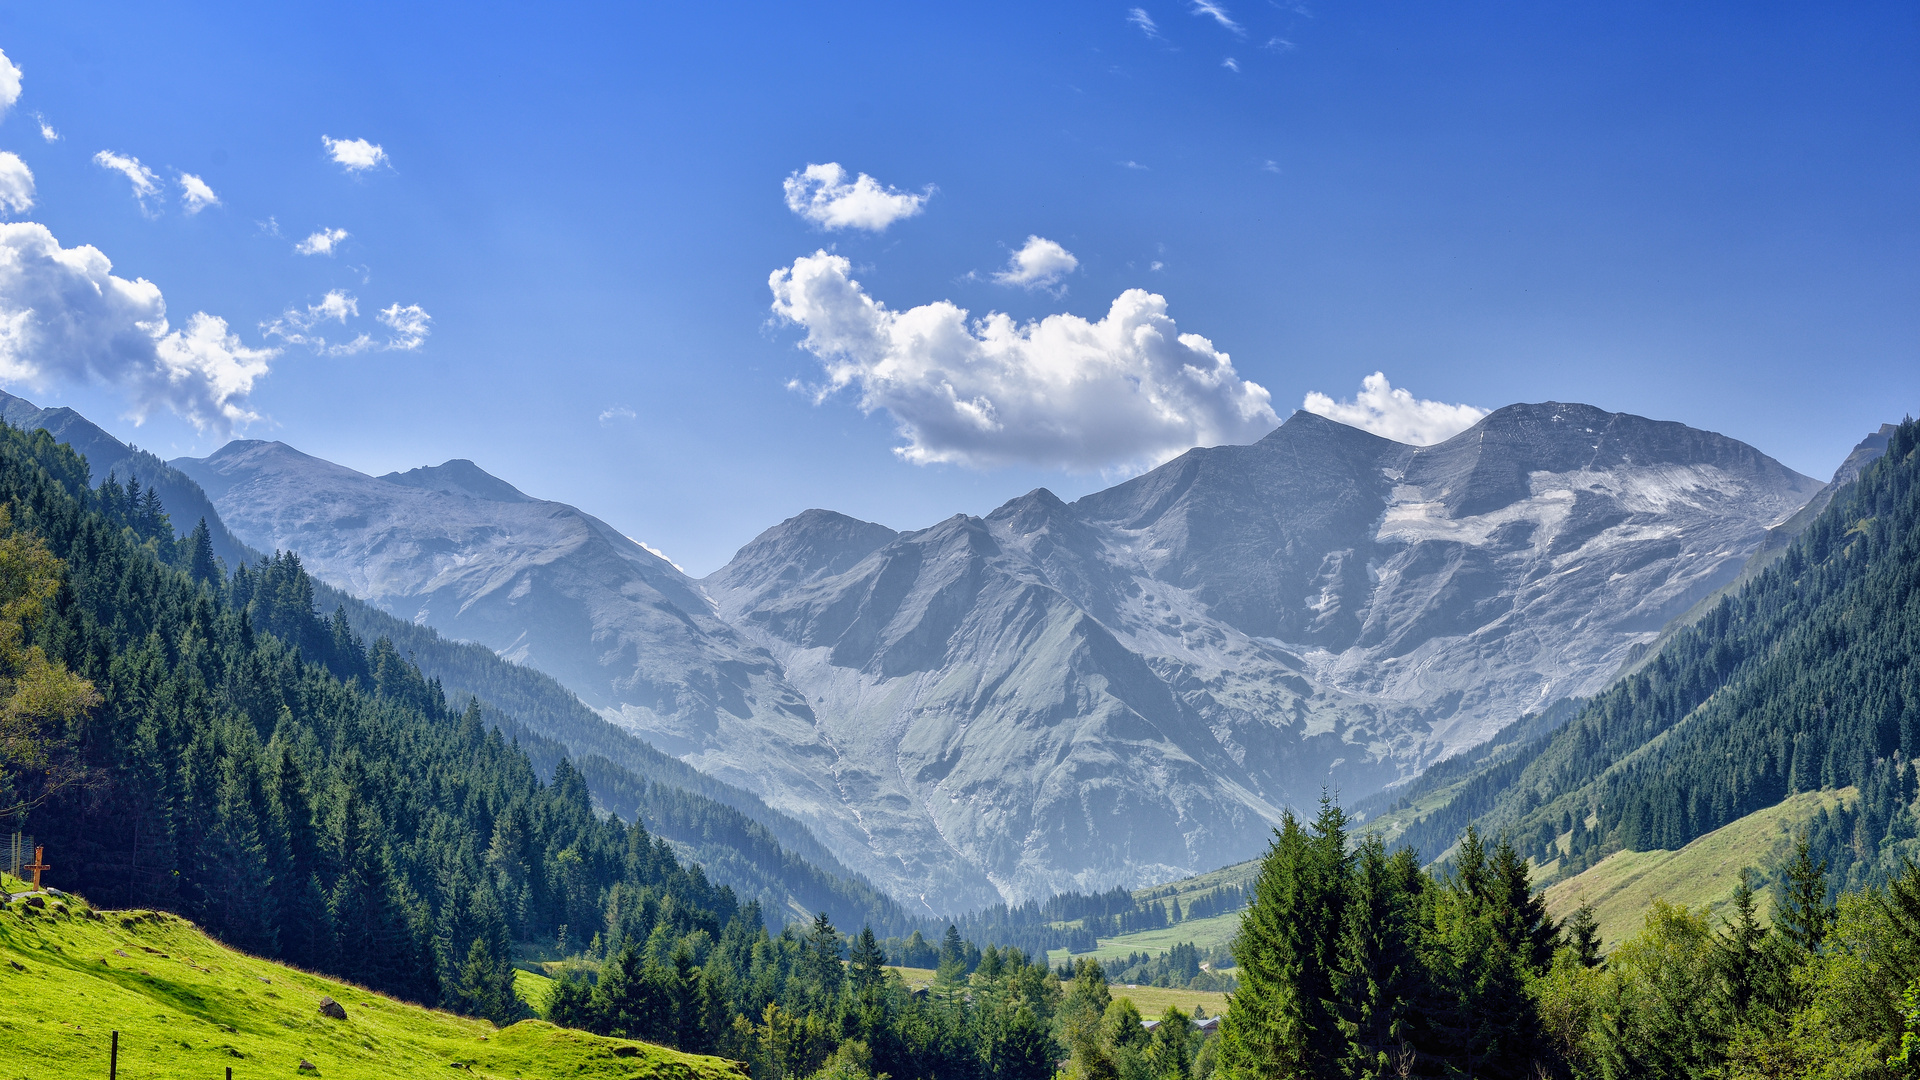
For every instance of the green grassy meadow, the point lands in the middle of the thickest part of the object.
(1624, 885)
(188, 1007)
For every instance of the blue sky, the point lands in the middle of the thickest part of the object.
(1696, 212)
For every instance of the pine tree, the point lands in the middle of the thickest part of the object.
(233, 878)
(867, 966)
(1741, 954)
(1283, 1020)
(1380, 984)
(305, 924)
(1026, 1051)
(202, 565)
(1521, 912)
(1803, 912)
(1581, 933)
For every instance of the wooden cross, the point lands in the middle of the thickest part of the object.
(38, 864)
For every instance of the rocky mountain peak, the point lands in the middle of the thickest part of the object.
(458, 477)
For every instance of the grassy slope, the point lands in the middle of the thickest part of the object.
(1622, 886)
(188, 1007)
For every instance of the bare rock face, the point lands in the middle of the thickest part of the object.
(1119, 690)
(1134, 686)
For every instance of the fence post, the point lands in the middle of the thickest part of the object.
(113, 1060)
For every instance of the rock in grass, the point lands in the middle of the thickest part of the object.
(330, 1007)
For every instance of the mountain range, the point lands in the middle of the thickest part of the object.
(760, 853)
(1119, 690)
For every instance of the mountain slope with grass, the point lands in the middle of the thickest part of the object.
(188, 1007)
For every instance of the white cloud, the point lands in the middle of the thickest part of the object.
(46, 129)
(64, 315)
(321, 243)
(1396, 414)
(616, 412)
(355, 155)
(16, 184)
(1125, 391)
(195, 194)
(1140, 18)
(1218, 14)
(658, 554)
(822, 195)
(9, 83)
(298, 326)
(145, 183)
(1230, 64)
(409, 324)
(1271, 166)
(1040, 264)
(1133, 165)
(1279, 44)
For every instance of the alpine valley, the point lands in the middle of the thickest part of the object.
(1118, 691)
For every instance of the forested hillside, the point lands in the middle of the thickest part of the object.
(210, 745)
(762, 853)
(1804, 679)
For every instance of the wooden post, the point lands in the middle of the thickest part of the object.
(39, 864)
(113, 1061)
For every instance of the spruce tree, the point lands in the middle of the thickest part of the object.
(202, 566)
(233, 878)
(1283, 1020)
(1581, 933)
(1803, 912)
(867, 966)
(1741, 954)
(1380, 985)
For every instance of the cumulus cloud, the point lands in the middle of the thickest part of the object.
(613, 413)
(410, 325)
(46, 129)
(16, 184)
(145, 183)
(822, 195)
(1211, 10)
(65, 315)
(354, 155)
(1140, 18)
(1124, 391)
(1396, 414)
(195, 195)
(321, 243)
(299, 326)
(9, 83)
(1040, 264)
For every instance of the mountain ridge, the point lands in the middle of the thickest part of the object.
(1068, 696)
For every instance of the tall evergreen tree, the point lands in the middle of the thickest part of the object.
(1285, 1020)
